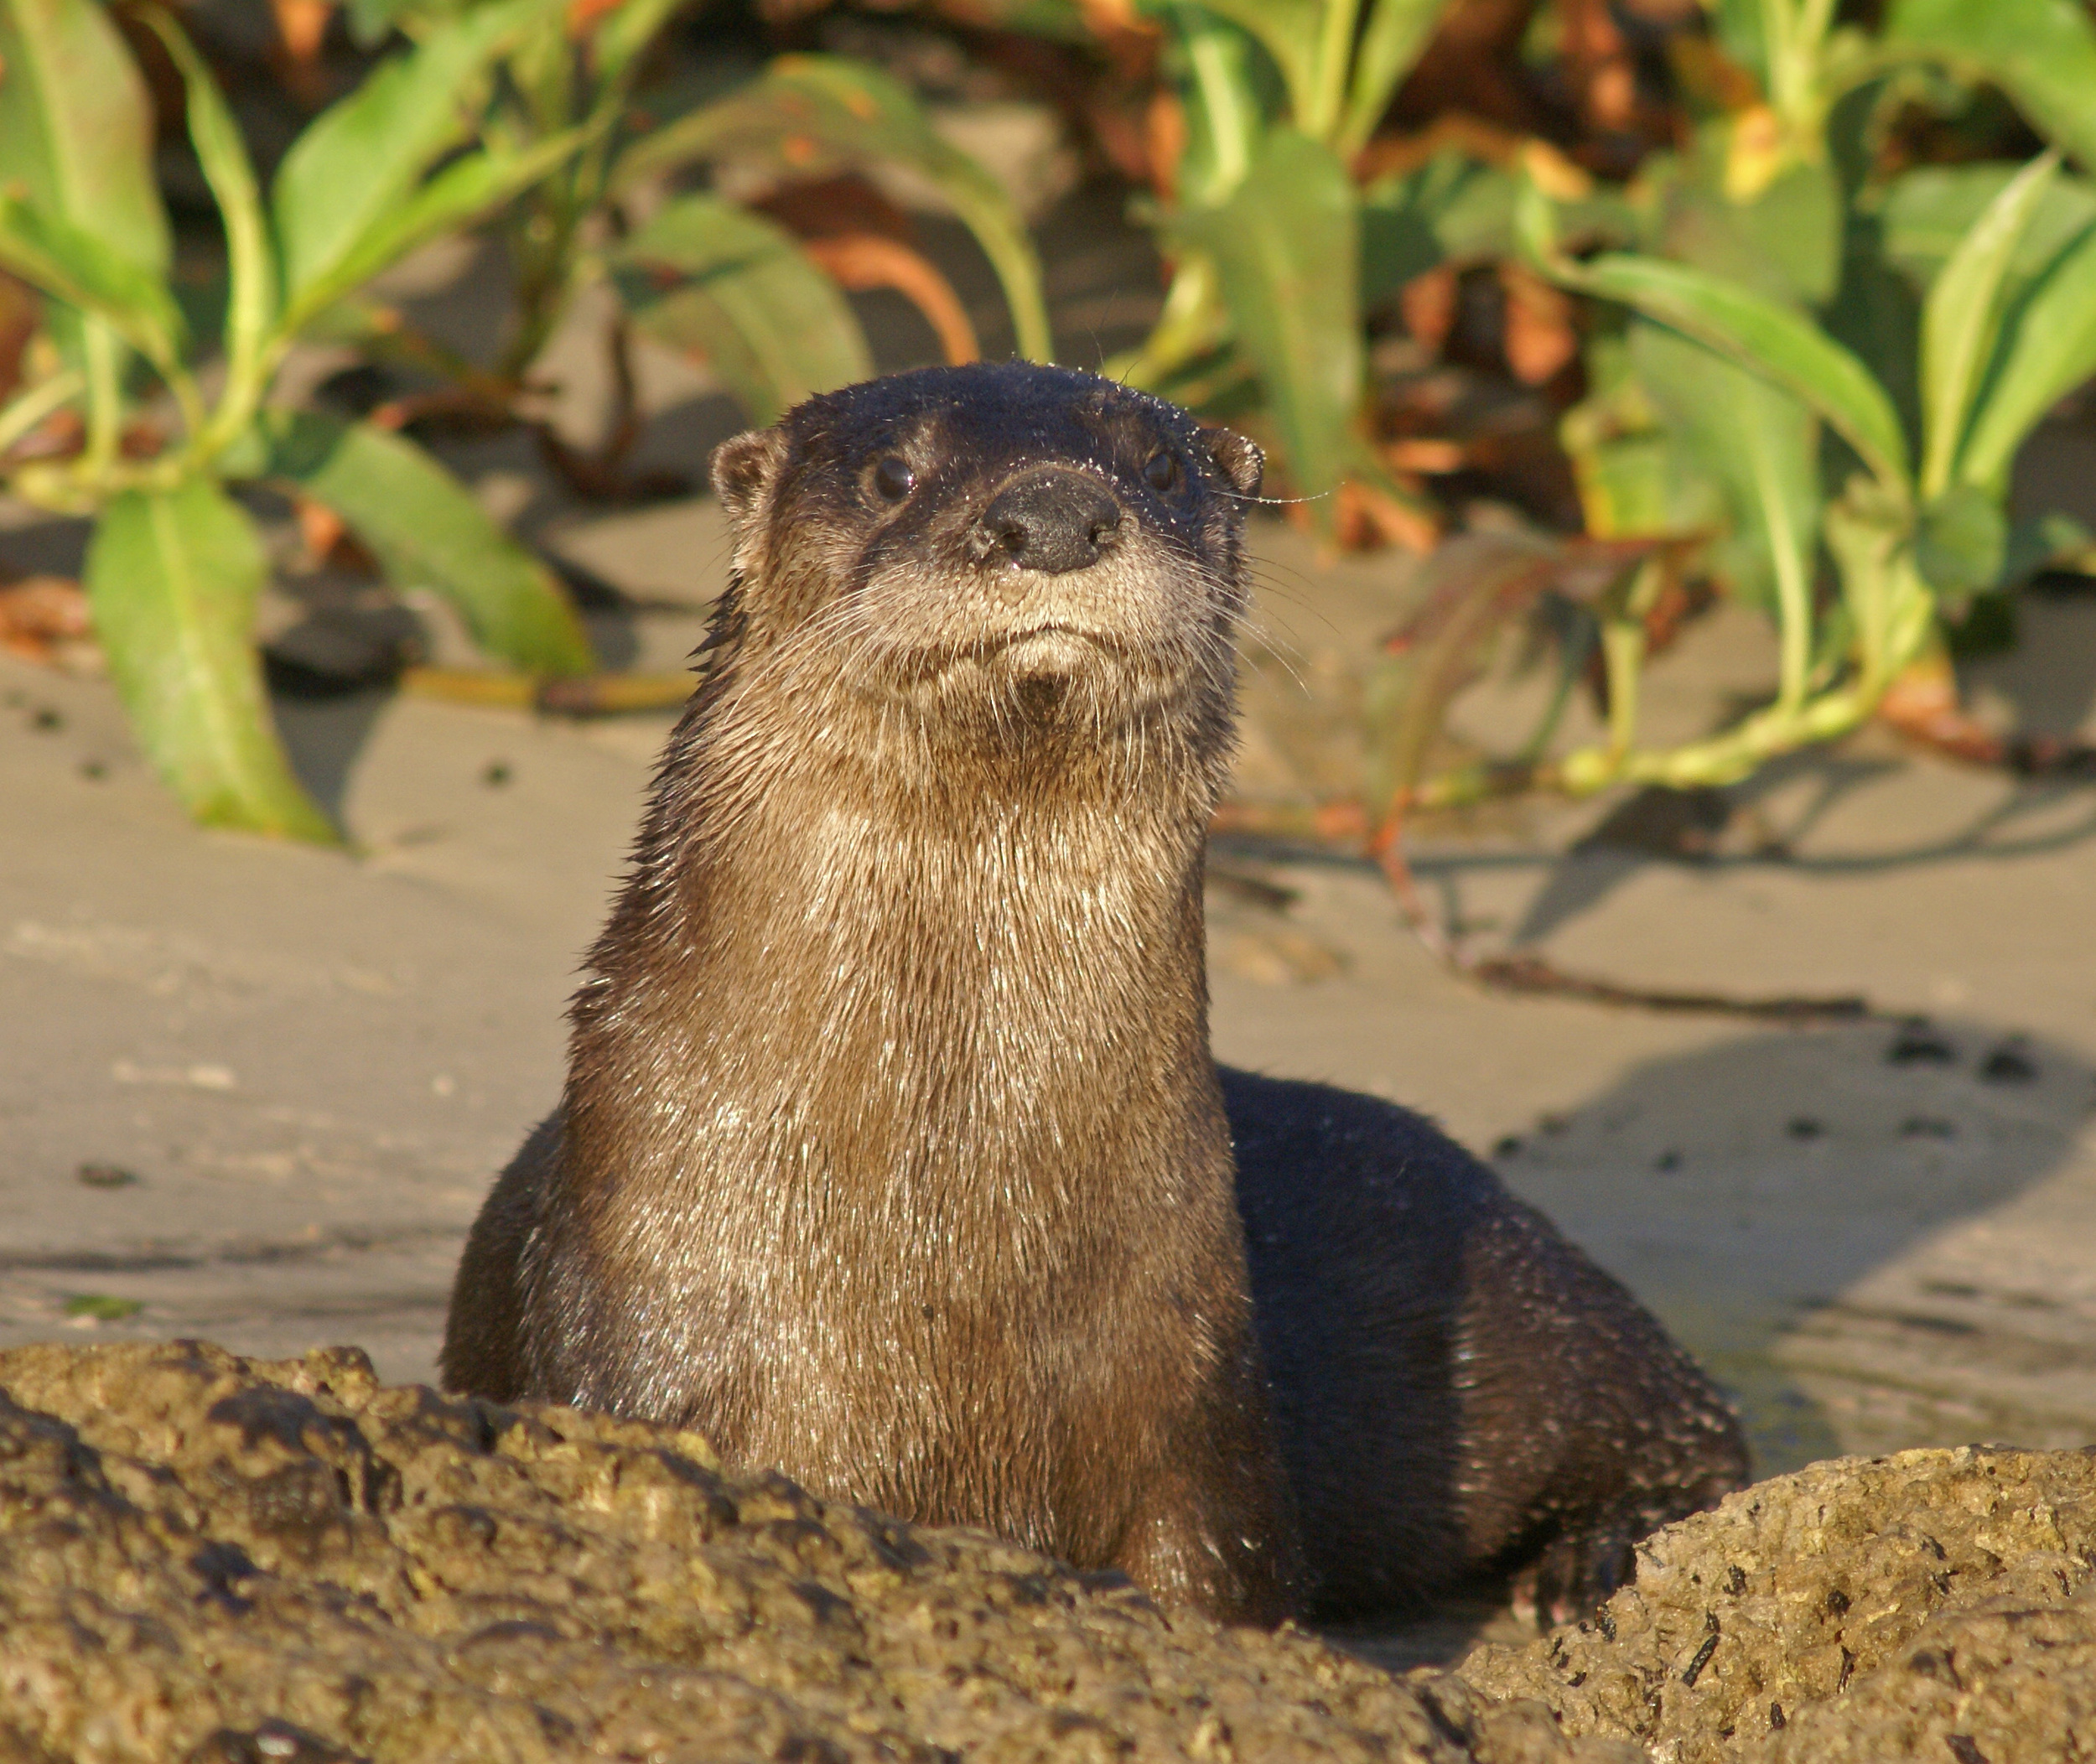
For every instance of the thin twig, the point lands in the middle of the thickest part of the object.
(1533, 976)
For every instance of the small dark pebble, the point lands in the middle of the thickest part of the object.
(1964, 1748)
(1694, 1669)
(105, 1175)
(93, 770)
(1804, 1127)
(1776, 1715)
(1918, 1044)
(497, 775)
(1928, 1127)
(1667, 1161)
(46, 718)
(2009, 1064)
(1507, 1146)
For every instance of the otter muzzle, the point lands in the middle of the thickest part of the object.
(1052, 520)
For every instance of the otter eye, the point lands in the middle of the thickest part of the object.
(1160, 471)
(894, 480)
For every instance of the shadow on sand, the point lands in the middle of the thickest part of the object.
(1739, 1188)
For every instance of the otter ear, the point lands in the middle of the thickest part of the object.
(1241, 462)
(745, 467)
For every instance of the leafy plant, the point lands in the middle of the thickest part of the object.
(175, 564)
(1911, 527)
(1810, 370)
(1265, 226)
(697, 273)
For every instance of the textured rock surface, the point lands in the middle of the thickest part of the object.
(223, 1561)
(1932, 1605)
(227, 1561)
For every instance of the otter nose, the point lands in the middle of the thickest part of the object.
(1050, 520)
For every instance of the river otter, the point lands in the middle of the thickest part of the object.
(892, 1152)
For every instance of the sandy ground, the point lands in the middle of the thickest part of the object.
(256, 1093)
(312, 1062)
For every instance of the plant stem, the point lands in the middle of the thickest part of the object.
(1231, 116)
(104, 396)
(1335, 56)
(1624, 640)
(1794, 592)
(1724, 758)
(1190, 325)
(1571, 665)
(36, 403)
(1622, 657)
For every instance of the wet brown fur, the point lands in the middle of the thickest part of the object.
(892, 1151)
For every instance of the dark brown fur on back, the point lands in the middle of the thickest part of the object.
(892, 1151)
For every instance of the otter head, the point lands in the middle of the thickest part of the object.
(995, 551)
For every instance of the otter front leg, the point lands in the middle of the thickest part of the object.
(1212, 1522)
(1235, 1558)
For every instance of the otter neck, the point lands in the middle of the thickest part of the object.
(954, 985)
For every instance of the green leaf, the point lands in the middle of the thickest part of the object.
(77, 127)
(369, 20)
(708, 279)
(1398, 244)
(78, 267)
(625, 33)
(1636, 475)
(1223, 79)
(1289, 31)
(1961, 541)
(360, 160)
(1740, 27)
(809, 114)
(2048, 542)
(2042, 53)
(1758, 444)
(1962, 318)
(1928, 212)
(1759, 334)
(427, 532)
(1287, 245)
(1786, 243)
(2049, 349)
(1452, 209)
(103, 1307)
(470, 186)
(173, 578)
(252, 299)
(1396, 35)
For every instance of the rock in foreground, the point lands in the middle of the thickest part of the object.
(227, 1561)
(1932, 1605)
(217, 1559)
